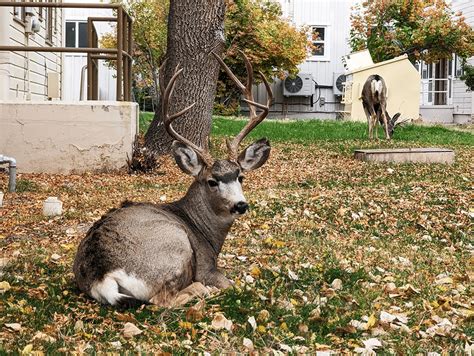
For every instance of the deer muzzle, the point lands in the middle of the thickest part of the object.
(240, 208)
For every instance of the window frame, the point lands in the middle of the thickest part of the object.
(458, 71)
(40, 11)
(77, 32)
(326, 57)
(19, 13)
(48, 18)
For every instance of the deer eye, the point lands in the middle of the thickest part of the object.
(241, 179)
(212, 183)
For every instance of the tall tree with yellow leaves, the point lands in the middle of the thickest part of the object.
(423, 29)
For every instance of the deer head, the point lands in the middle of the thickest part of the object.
(392, 122)
(220, 181)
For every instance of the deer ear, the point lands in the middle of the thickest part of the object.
(255, 155)
(186, 158)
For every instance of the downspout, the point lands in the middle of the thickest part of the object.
(28, 72)
(11, 170)
(4, 56)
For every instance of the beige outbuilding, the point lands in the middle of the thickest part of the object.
(402, 80)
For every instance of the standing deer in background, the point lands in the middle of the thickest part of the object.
(148, 253)
(374, 101)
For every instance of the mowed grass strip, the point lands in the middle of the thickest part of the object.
(307, 131)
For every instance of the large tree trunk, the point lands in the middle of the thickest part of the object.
(195, 28)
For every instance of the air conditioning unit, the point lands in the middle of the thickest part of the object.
(300, 85)
(339, 80)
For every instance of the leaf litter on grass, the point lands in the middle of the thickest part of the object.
(335, 255)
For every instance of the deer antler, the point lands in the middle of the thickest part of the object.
(168, 119)
(401, 123)
(233, 146)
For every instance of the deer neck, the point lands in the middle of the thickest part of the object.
(197, 212)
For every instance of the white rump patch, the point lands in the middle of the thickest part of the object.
(376, 87)
(118, 284)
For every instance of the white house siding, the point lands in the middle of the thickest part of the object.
(74, 62)
(39, 63)
(463, 99)
(334, 14)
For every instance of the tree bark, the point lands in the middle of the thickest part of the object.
(195, 28)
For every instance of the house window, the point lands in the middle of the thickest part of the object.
(76, 34)
(19, 13)
(40, 11)
(458, 71)
(320, 42)
(436, 83)
(48, 17)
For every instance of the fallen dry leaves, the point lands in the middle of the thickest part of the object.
(336, 255)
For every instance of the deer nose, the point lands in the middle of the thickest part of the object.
(241, 207)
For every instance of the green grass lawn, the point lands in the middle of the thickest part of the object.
(334, 252)
(307, 131)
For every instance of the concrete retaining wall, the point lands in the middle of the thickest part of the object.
(61, 137)
(440, 114)
(406, 155)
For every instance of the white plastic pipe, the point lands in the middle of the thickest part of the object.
(28, 71)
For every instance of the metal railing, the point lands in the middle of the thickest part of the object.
(121, 54)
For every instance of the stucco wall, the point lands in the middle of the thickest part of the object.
(60, 137)
(440, 114)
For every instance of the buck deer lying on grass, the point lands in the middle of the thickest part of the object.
(374, 101)
(142, 252)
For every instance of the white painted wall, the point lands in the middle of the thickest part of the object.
(463, 99)
(334, 14)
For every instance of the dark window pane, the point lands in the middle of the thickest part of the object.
(70, 34)
(319, 49)
(82, 34)
(318, 33)
(49, 24)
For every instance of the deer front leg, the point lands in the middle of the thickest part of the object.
(369, 120)
(217, 279)
(373, 126)
(385, 124)
(372, 119)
